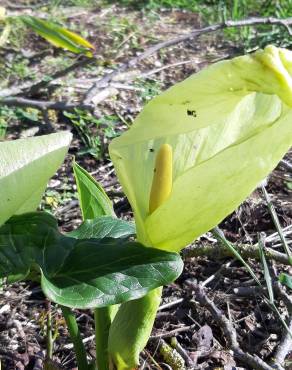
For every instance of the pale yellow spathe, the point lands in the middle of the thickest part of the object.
(228, 127)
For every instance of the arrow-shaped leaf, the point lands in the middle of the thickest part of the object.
(58, 36)
(93, 199)
(25, 168)
(83, 273)
(104, 227)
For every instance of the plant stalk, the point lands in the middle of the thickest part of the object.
(75, 338)
(103, 318)
(49, 331)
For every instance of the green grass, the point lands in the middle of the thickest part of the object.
(18, 34)
(214, 11)
(192, 5)
(151, 88)
(93, 132)
(23, 116)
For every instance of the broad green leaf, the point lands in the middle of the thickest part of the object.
(286, 279)
(25, 168)
(104, 227)
(58, 36)
(228, 127)
(93, 200)
(83, 273)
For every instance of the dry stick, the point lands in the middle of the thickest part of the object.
(254, 21)
(21, 7)
(246, 251)
(285, 345)
(253, 361)
(170, 304)
(31, 88)
(217, 273)
(173, 332)
(101, 83)
(43, 83)
(286, 164)
(43, 104)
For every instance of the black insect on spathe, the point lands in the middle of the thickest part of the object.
(192, 113)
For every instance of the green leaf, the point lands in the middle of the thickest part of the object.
(58, 36)
(83, 273)
(25, 168)
(104, 227)
(93, 200)
(286, 279)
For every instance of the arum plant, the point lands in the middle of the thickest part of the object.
(26, 166)
(53, 33)
(191, 157)
(93, 267)
(58, 36)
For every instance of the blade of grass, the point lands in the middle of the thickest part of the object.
(219, 235)
(267, 276)
(277, 224)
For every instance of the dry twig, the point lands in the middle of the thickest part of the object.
(246, 251)
(30, 88)
(229, 331)
(254, 21)
(43, 104)
(103, 82)
(285, 345)
(173, 332)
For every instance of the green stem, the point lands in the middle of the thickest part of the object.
(103, 318)
(75, 338)
(49, 331)
(131, 329)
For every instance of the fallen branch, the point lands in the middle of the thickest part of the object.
(229, 331)
(43, 104)
(285, 345)
(173, 332)
(246, 251)
(43, 83)
(30, 88)
(8, 96)
(255, 21)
